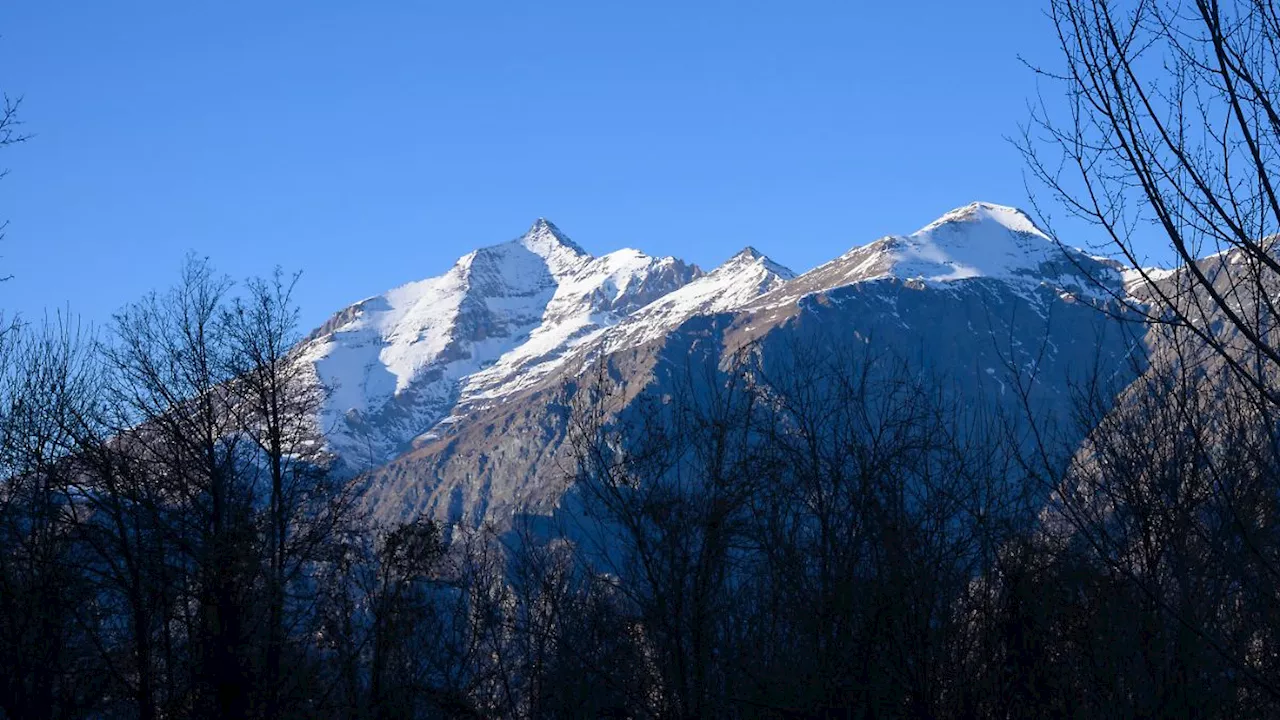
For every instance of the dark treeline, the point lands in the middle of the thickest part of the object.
(793, 534)
(834, 535)
(804, 534)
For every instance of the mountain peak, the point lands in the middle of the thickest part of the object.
(544, 225)
(544, 237)
(736, 282)
(750, 256)
(1005, 216)
(978, 240)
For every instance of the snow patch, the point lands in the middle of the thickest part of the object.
(498, 320)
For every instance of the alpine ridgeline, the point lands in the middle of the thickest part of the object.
(451, 395)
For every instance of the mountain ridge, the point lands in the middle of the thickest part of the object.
(399, 361)
(450, 390)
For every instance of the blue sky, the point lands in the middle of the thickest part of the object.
(369, 144)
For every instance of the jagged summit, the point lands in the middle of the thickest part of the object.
(450, 390)
(730, 286)
(549, 242)
(501, 316)
(751, 256)
(543, 226)
(506, 316)
(477, 433)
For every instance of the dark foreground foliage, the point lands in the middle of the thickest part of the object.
(802, 536)
(806, 534)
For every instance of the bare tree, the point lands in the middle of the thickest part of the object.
(10, 134)
(46, 630)
(169, 354)
(1168, 135)
(1172, 497)
(671, 479)
(275, 401)
(796, 531)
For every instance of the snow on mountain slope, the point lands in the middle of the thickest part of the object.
(399, 362)
(979, 240)
(735, 283)
(595, 298)
(407, 365)
(966, 298)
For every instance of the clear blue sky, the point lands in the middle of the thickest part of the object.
(371, 143)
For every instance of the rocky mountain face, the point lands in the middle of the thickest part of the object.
(452, 394)
(502, 318)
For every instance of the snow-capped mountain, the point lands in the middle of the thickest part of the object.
(979, 240)
(453, 392)
(501, 317)
(734, 284)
